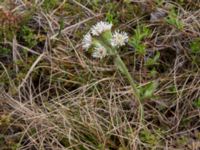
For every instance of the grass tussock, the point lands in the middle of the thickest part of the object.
(54, 96)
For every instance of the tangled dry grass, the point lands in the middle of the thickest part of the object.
(54, 96)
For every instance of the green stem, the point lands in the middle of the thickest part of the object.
(122, 67)
(119, 63)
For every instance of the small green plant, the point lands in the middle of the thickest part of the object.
(153, 61)
(153, 72)
(15, 146)
(172, 89)
(110, 17)
(196, 103)
(195, 46)
(147, 137)
(159, 2)
(4, 51)
(195, 51)
(147, 91)
(173, 19)
(140, 33)
(49, 4)
(28, 36)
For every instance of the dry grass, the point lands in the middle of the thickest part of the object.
(53, 96)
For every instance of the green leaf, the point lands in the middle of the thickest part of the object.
(141, 32)
(147, 91)
(153, 61)
(174, 20)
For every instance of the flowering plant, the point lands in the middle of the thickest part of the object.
(100, 41)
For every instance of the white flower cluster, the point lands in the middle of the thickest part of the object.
(117, 39)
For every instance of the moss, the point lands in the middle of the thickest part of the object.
(148, 137)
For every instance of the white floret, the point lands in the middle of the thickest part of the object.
(87, 41)
(119, 39)
(100, 27)
(99, 52)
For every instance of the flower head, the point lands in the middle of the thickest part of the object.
(99, 51)
(100, 27)
(119, 39)
(87, 41)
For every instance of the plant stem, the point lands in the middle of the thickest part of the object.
(122, 67)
